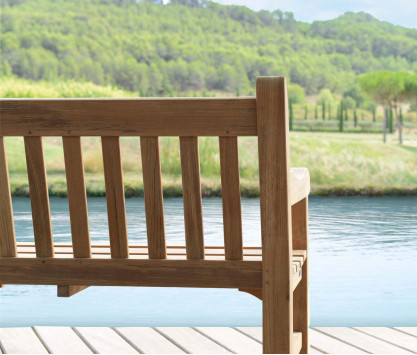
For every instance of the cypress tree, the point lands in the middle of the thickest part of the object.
(401, 116)
(329, 114)
(390, 121)
(374, 114)
(346, 115)
(323, 110)
(341, 119)
(291, 115)
(355, 117)
(316, 115)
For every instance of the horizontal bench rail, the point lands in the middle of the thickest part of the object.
(129, 117)
(131, 272)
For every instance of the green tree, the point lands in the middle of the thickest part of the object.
(384, 87)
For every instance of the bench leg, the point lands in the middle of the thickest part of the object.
(300, 241)
(277, 324)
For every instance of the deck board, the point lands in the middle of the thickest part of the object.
(177, 340)
(407, 330)
(328, 345)
(191, 341)
(392, 336)
(148, 340)
(61, 340)
(20, 341)
(363, 341)
(231, 339)
(104, 340)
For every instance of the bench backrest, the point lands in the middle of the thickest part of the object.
(188, 118)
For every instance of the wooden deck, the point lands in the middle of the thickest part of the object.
(176, 340)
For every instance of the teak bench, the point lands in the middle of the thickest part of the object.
(276, 272)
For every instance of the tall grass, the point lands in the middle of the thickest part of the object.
(338, 162)
(13, 87)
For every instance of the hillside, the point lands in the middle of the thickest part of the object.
(201, 47)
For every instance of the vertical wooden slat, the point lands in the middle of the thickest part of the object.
(300, 241)
(232, 215)
(7, 232)
(39, 197)
(77, 199)
(116, 210)
(154, 205)
(191, 187)
(272, 121)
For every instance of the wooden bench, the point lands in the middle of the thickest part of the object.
(276, 272)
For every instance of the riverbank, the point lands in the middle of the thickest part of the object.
(340, 164)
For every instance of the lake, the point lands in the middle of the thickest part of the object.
(363, 272)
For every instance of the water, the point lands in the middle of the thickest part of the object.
(363, 271)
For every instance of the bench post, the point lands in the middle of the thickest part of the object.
(301, 301)
(277, 291)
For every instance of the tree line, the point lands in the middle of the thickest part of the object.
(199, 47)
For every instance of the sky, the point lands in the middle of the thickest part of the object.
(398, 12)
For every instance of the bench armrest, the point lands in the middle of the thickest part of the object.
(299, 184)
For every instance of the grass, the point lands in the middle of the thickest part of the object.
(348, 163)
(339, 164)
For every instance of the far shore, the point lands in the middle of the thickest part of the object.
(340, 164)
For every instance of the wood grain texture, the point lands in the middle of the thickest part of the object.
(21, 341)
(115, 197)
(232, 340)
(273, 146)
(69, 290)
(131, 272)
(148, 341)
(392, 336)
(7, 232)
(104, 340)
(299, 184)
(129, 117)
(61, 340)
(330, 345)
(39, 197)
(154, 204)
(362, 341)
(232, 214)
(301, 296)
(191, 187)
(191, 341)
(77, 198)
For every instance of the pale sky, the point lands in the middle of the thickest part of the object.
(398, 12)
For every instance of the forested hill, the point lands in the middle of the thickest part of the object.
(193, 46)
